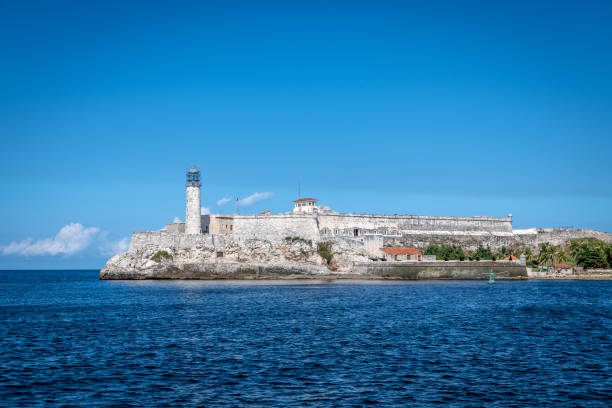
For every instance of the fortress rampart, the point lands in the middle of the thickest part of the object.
(330, 224)
(394, 230)
(162, 239)
(394, 225)
(276, 227)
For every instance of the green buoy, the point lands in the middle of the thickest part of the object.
(491, 277)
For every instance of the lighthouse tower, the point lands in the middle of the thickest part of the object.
(193, 220)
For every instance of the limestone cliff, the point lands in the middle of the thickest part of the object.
(211, 256)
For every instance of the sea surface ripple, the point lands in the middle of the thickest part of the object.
(68, 339)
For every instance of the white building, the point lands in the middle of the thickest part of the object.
(401, 254)
(305, 205)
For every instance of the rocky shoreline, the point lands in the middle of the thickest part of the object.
(360, 271)
(363, 271)
(163, 255)
(209, 270)
(236, 271)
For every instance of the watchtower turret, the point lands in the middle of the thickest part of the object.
(193, 220)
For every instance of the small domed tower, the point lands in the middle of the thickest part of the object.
(193, 220)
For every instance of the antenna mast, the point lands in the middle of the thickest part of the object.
(298, 190)
(237, 206)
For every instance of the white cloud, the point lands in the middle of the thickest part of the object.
(176, 219)
(253, 198)
(205, 211)
(114, 247)
(223, 201)
(72, 238)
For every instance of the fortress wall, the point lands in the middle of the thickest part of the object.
(559, 236)
(386, 224)
(466, 241)
(520, 239)
(163, 239)
(220, 224)
(344, 224)
(465, 224)
(441, 270)
(367, 245)
(276, 227)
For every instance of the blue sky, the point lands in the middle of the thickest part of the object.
(439, 108)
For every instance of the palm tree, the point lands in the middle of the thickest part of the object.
(545, 255)
(550, 255)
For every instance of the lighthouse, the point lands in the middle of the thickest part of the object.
(193, 220)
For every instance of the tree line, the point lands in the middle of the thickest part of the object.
(589, 253)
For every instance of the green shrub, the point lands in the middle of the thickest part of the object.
(294, 239)
(324, 250)
(502, 253)
(157, 257)
(446, 252)
(483, 253)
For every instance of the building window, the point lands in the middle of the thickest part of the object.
(356, 232)
(219, 254)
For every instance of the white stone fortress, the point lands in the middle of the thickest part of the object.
(310, 221)
(313, 240)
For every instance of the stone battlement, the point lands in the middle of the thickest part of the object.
(330, 224)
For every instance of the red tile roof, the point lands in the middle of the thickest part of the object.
(265, 212)
(511, 258)
(562, 266)
(401, 251)
(301, 200)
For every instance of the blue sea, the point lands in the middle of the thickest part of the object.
(69, 339)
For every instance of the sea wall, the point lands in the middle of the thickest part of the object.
(440, 270)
